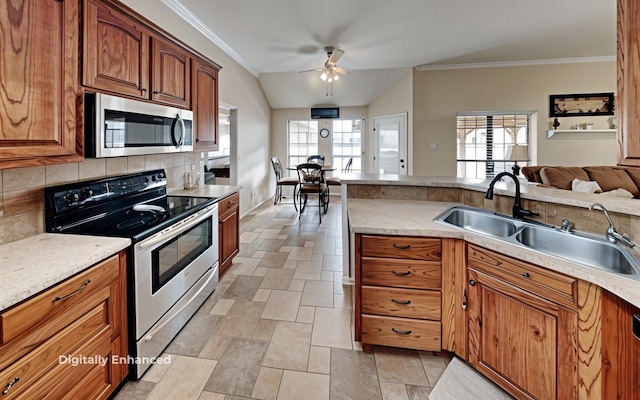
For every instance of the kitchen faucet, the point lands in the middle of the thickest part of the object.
(518, 211)
(611, 233)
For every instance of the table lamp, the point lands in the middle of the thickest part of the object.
(515, 153)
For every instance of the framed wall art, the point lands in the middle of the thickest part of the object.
(576, 105)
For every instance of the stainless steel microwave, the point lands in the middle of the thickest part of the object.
(116, 127)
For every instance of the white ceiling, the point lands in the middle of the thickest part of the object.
(382, 39)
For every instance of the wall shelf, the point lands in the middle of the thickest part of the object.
(582, 133)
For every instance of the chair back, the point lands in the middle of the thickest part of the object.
(347, 167)
(310, 174)
(316, 158)
(277, 167)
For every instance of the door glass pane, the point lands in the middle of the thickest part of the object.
(389, 161)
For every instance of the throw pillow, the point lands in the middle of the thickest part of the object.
(611, 178)
(578, 185)
(619, 193)
(561, 177)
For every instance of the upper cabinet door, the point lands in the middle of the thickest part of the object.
(628, 96)
(116, 51)
(205, 105)
(171, 74)
(38, 82)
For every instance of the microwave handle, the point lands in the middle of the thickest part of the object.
(178, 120)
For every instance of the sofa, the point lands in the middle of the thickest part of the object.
(610, 179)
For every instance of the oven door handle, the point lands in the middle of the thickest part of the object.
(178, 228)
(151, 334)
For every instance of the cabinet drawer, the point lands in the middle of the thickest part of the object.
(228, 204)
(31, 367)
(401, 332)
(58, 300)
(413, 248)
(401, 273)
(549, 284)
(411, 303)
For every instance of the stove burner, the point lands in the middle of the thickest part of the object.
(134, 219)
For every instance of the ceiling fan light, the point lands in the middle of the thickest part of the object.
(330, 79)
(336, 77)
(323, 76)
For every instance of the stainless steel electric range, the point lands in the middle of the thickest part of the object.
(172, 263)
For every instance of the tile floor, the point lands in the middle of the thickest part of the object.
(279, 326)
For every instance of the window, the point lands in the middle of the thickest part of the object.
(482, 139)
(303, 141)
(346, 143)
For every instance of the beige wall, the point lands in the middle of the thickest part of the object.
(438, 95)
(396, 99)
(238, 88)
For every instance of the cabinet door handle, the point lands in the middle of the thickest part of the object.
(403, 302)
(400, 247)
(78, 290)
(464, 299)
(401, 332)
(636, 326)
(10, 384)
(401, 273)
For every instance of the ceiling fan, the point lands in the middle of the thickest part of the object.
(330, 72)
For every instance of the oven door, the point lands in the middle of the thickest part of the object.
(170, 262)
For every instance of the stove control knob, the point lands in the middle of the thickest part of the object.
(72, 197)
(153, 178)
(88, 193)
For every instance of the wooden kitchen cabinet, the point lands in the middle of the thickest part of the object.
(620, 349)
(228, 231)
(397, 292)
(84, 316)
(531, 330)
(115, 51)
(170, 73)
(39, 117)
(628, 73)
(205, 105)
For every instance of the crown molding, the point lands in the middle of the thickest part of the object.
(437, 67)
(200, 26)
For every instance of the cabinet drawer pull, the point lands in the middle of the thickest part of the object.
(400, 247)
(10, 384)
(403, 302)
(401, 332)
(78, 290)
(401, 273)
(526, 275)
(231, 204)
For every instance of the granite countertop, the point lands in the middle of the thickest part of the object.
(31, 265)
(415, 218)
(528, 191)
(209, 191)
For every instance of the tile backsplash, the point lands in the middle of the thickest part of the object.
(22, 189)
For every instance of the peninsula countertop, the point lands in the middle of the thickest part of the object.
(416, 218)
(528, 191)
(31, 265)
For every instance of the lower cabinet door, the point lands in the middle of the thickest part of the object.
(524, 343)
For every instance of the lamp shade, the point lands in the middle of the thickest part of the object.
(517, 152)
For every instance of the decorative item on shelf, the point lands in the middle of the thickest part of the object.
(589, 126)
(556, 123)
(515, 153)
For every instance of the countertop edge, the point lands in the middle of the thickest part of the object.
(208, 191)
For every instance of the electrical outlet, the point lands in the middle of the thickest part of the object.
(433, 146)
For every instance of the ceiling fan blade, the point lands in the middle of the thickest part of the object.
(335, 55)
(341, 71)
(311, 70)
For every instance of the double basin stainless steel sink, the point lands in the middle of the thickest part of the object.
(583, 248)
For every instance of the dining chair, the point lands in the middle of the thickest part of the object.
(311, 182)
(334, 180)
(281, 181)
(316, 158)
